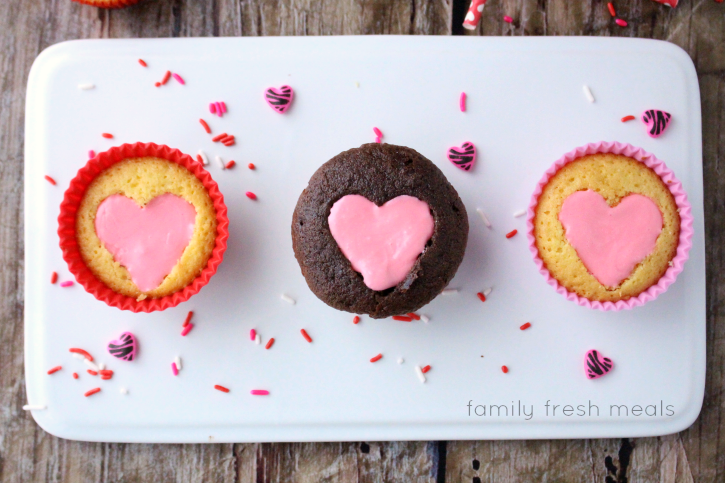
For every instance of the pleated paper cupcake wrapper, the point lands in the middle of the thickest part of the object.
(675, 187)
(67, 226)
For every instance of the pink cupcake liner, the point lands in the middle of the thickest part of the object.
(675, 187)
(67, 226)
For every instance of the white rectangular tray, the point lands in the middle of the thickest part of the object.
(525, 109)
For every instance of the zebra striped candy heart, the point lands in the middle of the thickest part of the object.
(596, 365)
(125, 348)
(279, 99)
(656, 121)
(463, 157)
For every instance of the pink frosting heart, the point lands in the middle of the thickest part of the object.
(147, 241)
(610, 241)
(381, 242)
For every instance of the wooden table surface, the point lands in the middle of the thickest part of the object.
(27, 453)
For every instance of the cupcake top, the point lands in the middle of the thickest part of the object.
(146, 227)
(606, 227)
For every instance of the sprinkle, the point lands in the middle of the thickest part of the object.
(378, 139)
(34, 407)
(402, 318)
(525, 326)
(376, 358)
(250, 166)
(613, 12)
(487, 291)
(78, 356)
(270, 343)
(377, 132)
(259, 392)
(484, 217)
(188, 318)
(177, 360)
(102, 366)
(86, 87)
(75, 375)
(123, 391)
(287, 299)
(165, 79)
(220, 161)
(258, 339)
(53, 277)
(252, 334)
(505, 369)
(106, 372)
(143, 63)
(107, 135)
(519, 213)
(230, 164)
(228, 141)
(105, 378)
(462, 102)
(251, 195)
(205, 126)
(91, 372)
(449, 291)
(425, 369)
(224, 106)
(174, 369)
(55, 369)
(511, 234)
(356, 320)
(92, 392)
(420, 374)
(187, 329)
(588, 93)
(481, 296)
(81, 352)
(400, 360)
(621, 22)
(414, 316)
(204, 159)
(628, 118)
(178, 78)
(67, 283)
(91, 154)
(91, 365)
(50, 180)
(220, 388)
(306, 335)
(507, 19)
(158, 84)
(219, 137)
(212, 107)
(357, 84)
(424, 318)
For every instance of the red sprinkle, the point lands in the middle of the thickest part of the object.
(166, 78)
(141, 61)
(306, 335)
(356, 320)
(220, 388)
(55, 369)
(505, 369)
(188, 318)
(106, 372)
(628, 118)
(199, 159)
(414, 316)
(511, 233)
(507, 19)
(425, 369)
(92, 392)
(621, 23)
(230, 164)
(91, 372)
(402, 318)
(53, 277)
(107, 135)
(187, 329)
(613, 12)
(50, 180)
(525, 326)
(376, 358)
(105, 378)
(251, 195)
(270, 343)
(250, 166)
(481, 297)
(158, 84)
(205, 125)
(75, 375)
(219, 137)
(81, 352)
(229, 137)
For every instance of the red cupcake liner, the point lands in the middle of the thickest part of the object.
(67, 226)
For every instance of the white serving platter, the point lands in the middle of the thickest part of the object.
(525, 109)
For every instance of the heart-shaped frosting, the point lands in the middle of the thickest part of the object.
(279, 99)
(381, 242)
(463, 157)
(610, 241)
(125, 348)
(656, 121)
(596, 365)
(147, 240)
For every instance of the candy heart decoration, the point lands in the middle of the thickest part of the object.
(656, 122)
(124, 348)
(381, 242)
(463, 157)
(596, 365)
(279, 99)
(610, 241)
(147, 241)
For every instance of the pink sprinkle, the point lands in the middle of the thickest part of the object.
(212, 107)
(91, 154)
(219, 109)
(377, 139)
(178, 78)
(174, 369)
(67, 283)
(224, 107)
(508, 19)
(187, 329)
(621, 22)
(462, 102)
(377, 132)
(252, 334)
(259, 392)
(251, 195)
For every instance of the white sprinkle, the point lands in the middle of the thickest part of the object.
(357, 84)
(519, 213)
(101, 366)
(257, 339)
(400, 360)
(421, 376)
(449, 291)
(78, 356)
(86, 87)
(424, 318)
(487, 291)
(220, 161)
(123, 391)
(287, 299)
(177, 360)
(588, 93)
(91, 365)
(204, 159)
(485, 218)
(34, 407)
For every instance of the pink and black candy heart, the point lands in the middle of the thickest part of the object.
(124, 348)
(463, 157)
(279, 99)
(656, 121)
(597, 365)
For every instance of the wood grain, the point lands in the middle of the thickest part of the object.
(27, 453)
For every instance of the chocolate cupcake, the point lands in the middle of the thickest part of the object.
(379, 230)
